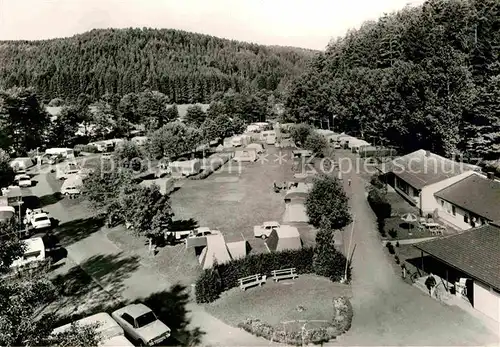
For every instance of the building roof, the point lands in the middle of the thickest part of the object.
(475, 193)
(475, 252)
(422, 168)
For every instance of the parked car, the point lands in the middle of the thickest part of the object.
(203, 231)
(265, 229)
(64, 174)
(38, 219)
(110, 332)
(107, 155)
(23, 181)
(141, 324)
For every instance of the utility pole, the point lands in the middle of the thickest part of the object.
(349, 248)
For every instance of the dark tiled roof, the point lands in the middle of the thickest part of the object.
(476, 252)
(419, 169)
(476, 194)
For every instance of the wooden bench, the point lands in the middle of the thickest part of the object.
(251, 281)
(284, 273)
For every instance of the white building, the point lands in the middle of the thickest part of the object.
(469, 202)
(420, 174)
(469, 262)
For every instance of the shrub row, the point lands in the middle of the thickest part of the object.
(221, 277)
(379, 204)
(86, 148)
(341, 322)
(222, 159)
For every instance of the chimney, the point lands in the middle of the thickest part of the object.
(490, 175)
(427, 153)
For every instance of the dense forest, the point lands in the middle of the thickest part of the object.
(186, 67)
(424, 77)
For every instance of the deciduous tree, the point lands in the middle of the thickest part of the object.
(327, 200)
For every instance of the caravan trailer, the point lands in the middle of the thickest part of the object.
(269, 137)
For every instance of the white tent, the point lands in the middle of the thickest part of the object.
(6, 212)
(295, 212)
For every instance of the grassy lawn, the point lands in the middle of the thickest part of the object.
(235, 198)
(177, 262)
(275, 303)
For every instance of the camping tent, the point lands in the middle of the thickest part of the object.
(218, 250)
(300, 191)
(6, 212)
(283, 238)
(295, 212)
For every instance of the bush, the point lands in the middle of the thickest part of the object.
(393, 233)
(390, 247)
(212, 282)
(327, 261)
(381, 227)
(86, 148)
(379, 204)
(377, 182)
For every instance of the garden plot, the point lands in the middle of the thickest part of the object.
(307, 298)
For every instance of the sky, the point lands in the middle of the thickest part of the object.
(300, 23)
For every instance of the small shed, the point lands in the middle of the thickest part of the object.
(285, 237)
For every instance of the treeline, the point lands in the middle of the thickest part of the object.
(26, 125)
(424, 77)
(186, 67)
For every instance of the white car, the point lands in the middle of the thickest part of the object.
(23, 181)
(141, 324)
(203, 231)
(41, 221)
(110, 332)
(63, 175)
(265, 229)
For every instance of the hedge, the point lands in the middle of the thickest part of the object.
(379, 204)
(212, 168)
(86, 148)
(340, 323)
(379, 152)
(221, 277)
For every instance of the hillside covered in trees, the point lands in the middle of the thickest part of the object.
(186, 67)
(424, 77)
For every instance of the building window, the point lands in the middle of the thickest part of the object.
(453, 210)
(466, 218)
